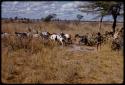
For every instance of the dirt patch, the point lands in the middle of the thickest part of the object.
(76, 48)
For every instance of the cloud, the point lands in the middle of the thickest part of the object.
(45, 6)
(67, 5)
(73, 4)
(28, 9)
(38, 9)
(62, 9)
(15, 2)
(46, 12)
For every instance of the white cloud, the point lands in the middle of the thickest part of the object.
(15, 2)
(73, 4)
(44, 6)
(46, 12)
(68, 5)
(53, 4)
(28, 9)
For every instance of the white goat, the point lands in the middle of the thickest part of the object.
(68, 38)
(53, 37)
(61, 39)
(57, 37)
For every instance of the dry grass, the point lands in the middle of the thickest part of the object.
(39, 62)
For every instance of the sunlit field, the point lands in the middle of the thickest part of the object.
(39, 61)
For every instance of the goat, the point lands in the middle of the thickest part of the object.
(115, 44)
(36, 35)
(67, 37)
(117, 41)
(61, 39)
(57, 37)
(81, 39)
(21, 34)
(29, 34)
(53, 37)
(5, 35)
(45, 35)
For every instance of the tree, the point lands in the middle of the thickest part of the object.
(49, 17)
(102, 9)
(115, 11)
(16, 18)
(42, 18)
(79, 17)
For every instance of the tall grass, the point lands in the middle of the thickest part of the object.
(39, 61)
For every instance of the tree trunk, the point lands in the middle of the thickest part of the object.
(114, 23)
(100, 23)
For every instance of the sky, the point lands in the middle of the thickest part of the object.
(40, 9)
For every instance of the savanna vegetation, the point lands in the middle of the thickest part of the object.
(37, 61)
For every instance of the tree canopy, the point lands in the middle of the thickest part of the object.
(49, 17)
(104, 8)
(79, 16)
(101, 8)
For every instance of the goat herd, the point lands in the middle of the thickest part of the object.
(65, 39)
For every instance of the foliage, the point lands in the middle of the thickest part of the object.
(79, 16)
(49, 17)
(103, 8)
(99, 7)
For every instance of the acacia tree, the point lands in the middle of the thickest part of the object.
(49, 17)
(102, 9)
(79, 17)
